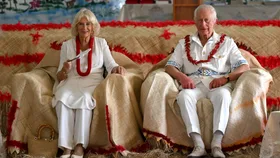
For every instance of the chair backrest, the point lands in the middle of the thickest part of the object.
(253, 62)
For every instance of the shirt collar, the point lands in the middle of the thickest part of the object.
(214, 38)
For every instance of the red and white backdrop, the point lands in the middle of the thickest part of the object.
(24, 45)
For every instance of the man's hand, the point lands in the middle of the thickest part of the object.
(217, 82)
(186, 82)
(119, 69)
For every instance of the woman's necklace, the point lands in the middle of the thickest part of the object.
(91, 41)
(212, 53)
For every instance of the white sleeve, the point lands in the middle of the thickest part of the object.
(176, 59)
(63, 56)
(236, 58)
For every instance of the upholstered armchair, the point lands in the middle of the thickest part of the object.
(164, 127)
(116, 123)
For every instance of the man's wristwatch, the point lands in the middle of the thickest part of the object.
(227, 77)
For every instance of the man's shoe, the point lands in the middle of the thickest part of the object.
(65, 156)
(197, 152)
(77, 156)
(217, 152)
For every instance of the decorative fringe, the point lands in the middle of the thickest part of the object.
(258, 23)
(273, 102)
(108, 123)
(141, 148)
(101, 151)
(5, 97)
(22, 58)
(27, 27)
(166, 140)
(139, 57)
(243, 46)
(11, 118)
(268, 62)
(157, 136)
(115, 148)
(253, 141)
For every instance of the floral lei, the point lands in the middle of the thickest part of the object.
(212, 53)
(91, 41)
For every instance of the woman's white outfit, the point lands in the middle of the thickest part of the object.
(73, 97)
(227, 58)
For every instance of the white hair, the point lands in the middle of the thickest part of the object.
(89, 15)
(207, 7)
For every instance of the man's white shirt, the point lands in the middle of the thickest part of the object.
(226, 59)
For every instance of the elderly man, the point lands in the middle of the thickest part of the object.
(204, 64)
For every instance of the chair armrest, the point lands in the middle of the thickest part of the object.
(253, 80)
(36, 82)
(162, 81)
(158, 88)
(248, 109)
(117, 98)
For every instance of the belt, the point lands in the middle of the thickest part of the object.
(206, 72)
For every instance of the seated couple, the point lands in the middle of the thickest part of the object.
(203, 64)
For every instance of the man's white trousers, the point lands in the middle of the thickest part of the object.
(220, 98)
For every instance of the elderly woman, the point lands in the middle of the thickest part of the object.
(82, 62)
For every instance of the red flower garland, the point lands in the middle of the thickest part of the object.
(212, 53)
(89, 57)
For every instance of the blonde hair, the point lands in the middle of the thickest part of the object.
(89, 15)
(208, 7)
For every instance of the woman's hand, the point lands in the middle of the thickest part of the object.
(63, 73)
(119, 69)
(67, 66)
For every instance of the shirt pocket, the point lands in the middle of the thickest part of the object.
(219, 61)
(188, 67)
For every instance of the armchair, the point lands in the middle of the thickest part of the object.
(116, 123)
(162, 119)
